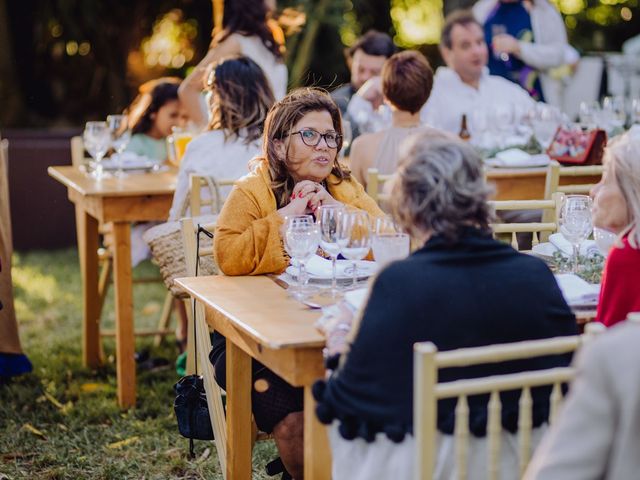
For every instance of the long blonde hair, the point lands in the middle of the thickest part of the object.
(624, 153)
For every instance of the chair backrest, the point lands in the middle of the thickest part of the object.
(200, 337)
(215, 198)
(427, 391)
(375, 186)
(578, 175)
(77, 151)
(539, 230)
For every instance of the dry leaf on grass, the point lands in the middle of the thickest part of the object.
(123, 443)
(30, 428)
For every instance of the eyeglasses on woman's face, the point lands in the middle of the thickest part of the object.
(312, 138)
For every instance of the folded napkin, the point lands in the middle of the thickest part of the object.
(587, 248)
(321, 267)
(514, 157)
(576, 291)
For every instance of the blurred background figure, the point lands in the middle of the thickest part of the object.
(12, 360)
(364, 59)
(465, 86)
(245, 31)
(152, 116)
(407, 79)
(527, 40)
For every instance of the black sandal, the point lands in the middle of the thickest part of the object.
(274, 467)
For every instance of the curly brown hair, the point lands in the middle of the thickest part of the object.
(280, 121)
(243, 97)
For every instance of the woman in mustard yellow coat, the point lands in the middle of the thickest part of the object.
(299, 172)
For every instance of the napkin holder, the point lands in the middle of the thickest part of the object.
(577, 147)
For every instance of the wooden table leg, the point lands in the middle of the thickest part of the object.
(317, 454)
(239, 441)
(87, 230)
(125, 344)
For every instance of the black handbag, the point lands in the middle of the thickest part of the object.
(190, 404)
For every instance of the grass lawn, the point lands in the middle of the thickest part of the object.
(62, 420)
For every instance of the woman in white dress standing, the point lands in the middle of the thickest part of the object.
(246, 31)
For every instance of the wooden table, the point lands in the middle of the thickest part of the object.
(135, 198)
(527, 183)
(261, 322)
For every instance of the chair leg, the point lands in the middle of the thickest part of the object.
(191, 339)
(165, 317)
(103, 283)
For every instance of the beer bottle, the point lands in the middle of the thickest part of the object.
(464, 133)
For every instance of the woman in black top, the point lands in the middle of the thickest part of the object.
(461, 289)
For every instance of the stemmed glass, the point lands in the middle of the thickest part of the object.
(328, 217)
(97, 140)
(120, 137)
(355, 242)
(301, 240)
(575, 222)
(388, 243)
(545, 121)
(347, 134)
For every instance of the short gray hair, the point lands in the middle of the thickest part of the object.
(624, 153)
(440, 188)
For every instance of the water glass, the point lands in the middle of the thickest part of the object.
(355, 232)
(328, 217)
(301, 240)
(496, 30)
(97, 140)
(575, 222)
(347, 134)
(120, 137)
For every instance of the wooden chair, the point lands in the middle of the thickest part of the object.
(375, 186)
(580, 173)
(105, 259)
(427, 391)
(215, 199)
(539, 230)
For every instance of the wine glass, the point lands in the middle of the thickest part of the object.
(328, 217)
(355, 241)
(97, 140)
(575, 222)
(635, 111)
(301, 240)
(120, 137)
(496, 30)
(347, 134)
(545, 121)
(613, 109)
(388, 242)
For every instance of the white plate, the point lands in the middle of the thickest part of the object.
(142, 164)
(540, 160)
(365, 270)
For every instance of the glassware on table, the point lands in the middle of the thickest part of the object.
(328, 218)
(301, 240)
(388, 242)
(590, 114)
(635, 112)
(120, 137)
(497, 29)
(355, 232)
(604, 240)
(614, 112)
(347, 134)
(545, 121)
(575, 222)
(181, 139)
(97, 140)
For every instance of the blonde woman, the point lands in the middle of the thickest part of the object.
(616, 207)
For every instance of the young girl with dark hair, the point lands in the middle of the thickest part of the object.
(152, 115)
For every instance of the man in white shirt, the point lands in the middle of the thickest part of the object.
(464, 86)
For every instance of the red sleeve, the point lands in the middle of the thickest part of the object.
(620, 292)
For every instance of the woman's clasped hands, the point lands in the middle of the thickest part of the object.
(306, 198)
